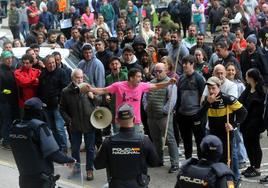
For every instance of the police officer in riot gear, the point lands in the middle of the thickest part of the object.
(35, 149)
(207, 172)
(126, 154)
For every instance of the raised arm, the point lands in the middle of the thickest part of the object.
(162, 84)
(85, 88)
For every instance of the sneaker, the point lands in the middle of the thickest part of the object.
(173, 169)
(248, 169)
(90, 176)
(264, 180)
(253, 173)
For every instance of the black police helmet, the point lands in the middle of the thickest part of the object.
(211, 148)
(33, 109)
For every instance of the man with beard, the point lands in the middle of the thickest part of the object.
(177, 48)
(190, 41)
(139, 45)
(51, 40)
(200, 43)
(253, 57)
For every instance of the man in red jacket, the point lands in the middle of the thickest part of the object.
(27, 79)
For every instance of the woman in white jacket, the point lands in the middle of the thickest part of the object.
(240, 13)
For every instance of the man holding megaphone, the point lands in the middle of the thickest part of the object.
(76, 108)
(130, 92)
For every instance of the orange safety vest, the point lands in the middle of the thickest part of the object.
(62, 5)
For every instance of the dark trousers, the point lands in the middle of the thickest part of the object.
(189, 126)
(185, 22)
(27, 182)
(220, 131)
(15, 30)
(4, 7)
(76, 141)
(8, 113)
(253, 148)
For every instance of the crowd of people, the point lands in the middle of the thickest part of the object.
(160, 63)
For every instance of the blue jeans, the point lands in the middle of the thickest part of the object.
(57, 127)
(235, 162)
(111, 26)
(76, 141)
(242, 153)
(24, 29)
(8, 113)
(200, 27)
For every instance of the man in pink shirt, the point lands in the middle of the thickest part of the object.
(130, 92)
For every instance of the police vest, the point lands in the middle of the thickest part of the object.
(31, 142)
(126, 158)
(196, 175)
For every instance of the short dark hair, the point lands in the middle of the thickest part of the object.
(128, 48)
(225, 21)
(51, 32)
(56, 53)
(188, 59)
(86, 47)
(39, 25)
(114, 58)
(35, 45)
(27, 57)
(177, 32)
(132, 72)
(99, 40)
(222, 44)
(29, 49)
(201, 35)
(48, 57)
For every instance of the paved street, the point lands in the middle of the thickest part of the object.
(160, 178)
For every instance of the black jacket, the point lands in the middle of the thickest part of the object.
(50, 87)
(206, 49)
(76, 109)
(104, 157)
(7, 82)
(104, 57)
(256, 60)
(254, 103)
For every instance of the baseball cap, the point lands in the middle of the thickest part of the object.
(125, 112)
(6, 54)
(34, 103)
(213, 81)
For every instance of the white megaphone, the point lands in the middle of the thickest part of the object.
(101, 118)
